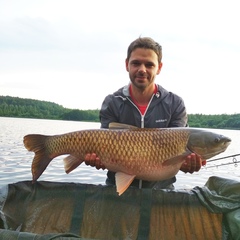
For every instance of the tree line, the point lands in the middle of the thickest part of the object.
(30, 108)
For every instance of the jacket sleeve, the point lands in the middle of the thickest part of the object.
(179, 114)
(107, 113)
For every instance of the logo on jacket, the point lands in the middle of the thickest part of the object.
(161, 120)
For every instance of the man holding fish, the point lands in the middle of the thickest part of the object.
(145, 104)
(144, 139)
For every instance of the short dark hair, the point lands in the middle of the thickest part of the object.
(148, 43)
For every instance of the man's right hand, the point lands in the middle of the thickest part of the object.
(94, 161)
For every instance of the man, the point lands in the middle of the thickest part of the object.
(145, 104)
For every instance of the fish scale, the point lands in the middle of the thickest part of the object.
(118, 145)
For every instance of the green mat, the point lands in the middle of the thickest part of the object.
(51, 210)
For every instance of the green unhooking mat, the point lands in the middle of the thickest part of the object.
(50, 210)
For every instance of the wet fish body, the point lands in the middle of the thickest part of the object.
(147, 154)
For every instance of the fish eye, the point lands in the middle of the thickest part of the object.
(217, 140)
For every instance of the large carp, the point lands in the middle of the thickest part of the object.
(148, 154)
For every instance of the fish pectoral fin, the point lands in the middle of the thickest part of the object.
(174, 161)
(71, 162)
(123, 181)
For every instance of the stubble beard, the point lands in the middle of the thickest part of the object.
(141, 85)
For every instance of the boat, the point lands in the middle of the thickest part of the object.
(54, 210)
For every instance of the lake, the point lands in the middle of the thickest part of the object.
(15, 160)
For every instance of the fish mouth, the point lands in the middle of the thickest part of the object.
(212, 154)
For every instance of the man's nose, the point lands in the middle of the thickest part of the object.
(142, 68)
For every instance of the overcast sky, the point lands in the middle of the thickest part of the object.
(73, 52)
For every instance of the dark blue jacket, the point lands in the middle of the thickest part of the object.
(164, 110)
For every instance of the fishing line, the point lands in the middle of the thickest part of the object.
(234, 161)
(216, 159)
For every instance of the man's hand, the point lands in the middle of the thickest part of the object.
(193, 163)
(94, 161)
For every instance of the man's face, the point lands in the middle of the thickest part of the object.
(143, 67)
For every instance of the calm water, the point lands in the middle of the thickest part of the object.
(15, 160)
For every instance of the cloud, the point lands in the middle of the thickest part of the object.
(73, 52)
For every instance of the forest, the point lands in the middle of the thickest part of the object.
(30, 108)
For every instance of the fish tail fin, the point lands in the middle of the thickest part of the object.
(71, 162)
(36, 143)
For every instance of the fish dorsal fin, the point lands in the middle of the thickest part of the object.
(123, 181)
(115, 125)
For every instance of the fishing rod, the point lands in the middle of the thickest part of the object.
(216, 159)
(234, 161)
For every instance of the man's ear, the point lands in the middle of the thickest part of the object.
(126, 64)
(159, 68)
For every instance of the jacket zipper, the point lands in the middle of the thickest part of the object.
(142, 123)
(142, 115)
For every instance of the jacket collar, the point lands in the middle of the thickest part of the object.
(162, 92)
